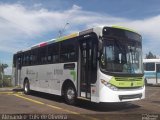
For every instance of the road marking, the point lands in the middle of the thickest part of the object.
(55, 107)
(71, 112)
(38, 102)
(6, 92)
(35, 101)
(11, 92)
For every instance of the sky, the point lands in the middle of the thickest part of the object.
(24, 23)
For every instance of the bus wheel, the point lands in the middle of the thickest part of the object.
(70, 95)
(26, 87)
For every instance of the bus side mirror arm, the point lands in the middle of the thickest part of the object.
(100, 47)
(100, 44)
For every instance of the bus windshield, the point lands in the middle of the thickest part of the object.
(121, 54)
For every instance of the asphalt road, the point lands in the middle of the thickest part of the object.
(45, 106)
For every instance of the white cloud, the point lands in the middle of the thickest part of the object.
(149, 28)
(8, 71)
(19, 24)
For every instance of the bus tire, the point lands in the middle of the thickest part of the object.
(70, 95)
(26, 87)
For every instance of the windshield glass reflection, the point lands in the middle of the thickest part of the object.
(123, 56)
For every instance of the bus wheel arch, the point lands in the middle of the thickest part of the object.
(26, 86)
(69, 92)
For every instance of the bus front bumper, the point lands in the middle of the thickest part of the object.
(108, 95)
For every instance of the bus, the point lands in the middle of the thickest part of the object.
(101, 64)
(152, 71)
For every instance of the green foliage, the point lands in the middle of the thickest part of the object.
(1, 82)
(2, 67)
(6, 82)
(150, 56)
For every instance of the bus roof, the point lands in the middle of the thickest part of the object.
(151, 60)
(55, 40)
(73, 35)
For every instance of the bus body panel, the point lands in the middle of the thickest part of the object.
(95, 89)
(108, 95)
(150, 76)
(157, 72)
(48, 78)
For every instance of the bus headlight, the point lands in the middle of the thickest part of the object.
(109, 85)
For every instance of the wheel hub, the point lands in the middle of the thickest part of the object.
(26, 87)
(70, 94)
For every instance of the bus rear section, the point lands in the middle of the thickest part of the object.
(152, 71)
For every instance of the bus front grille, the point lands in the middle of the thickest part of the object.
(123, 97)
(128, 78)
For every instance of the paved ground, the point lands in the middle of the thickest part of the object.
(42, 106)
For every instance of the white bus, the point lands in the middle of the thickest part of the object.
(152, 71)
(101, 64)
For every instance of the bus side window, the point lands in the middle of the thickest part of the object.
(33, 57)
(149, 66)
(158, 68)
(42, 55)
(68, 51)
(19, 62)
(53, 53)
(49, 54)
(25, 59)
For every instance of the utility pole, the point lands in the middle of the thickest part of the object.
(62, 30)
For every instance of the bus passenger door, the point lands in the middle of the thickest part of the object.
(88, 74)
(158, 73)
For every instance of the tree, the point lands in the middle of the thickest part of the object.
(2, 67)
(150, 55)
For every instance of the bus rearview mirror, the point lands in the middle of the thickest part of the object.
(100, 46)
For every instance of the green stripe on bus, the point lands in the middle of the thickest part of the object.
(127, 82)
(120, 27)
(73, 73)
(67, 37)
